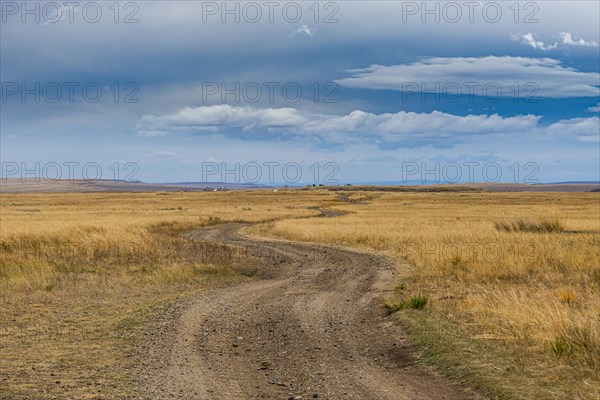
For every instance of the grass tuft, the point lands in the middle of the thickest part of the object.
(545, 224)
(567, 296)
(417, 302)
(561, 346)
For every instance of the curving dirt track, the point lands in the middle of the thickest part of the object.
(311, 328)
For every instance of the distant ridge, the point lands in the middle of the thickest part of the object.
(538, 187)
(84, 186)
(107, 185)
(574, 183)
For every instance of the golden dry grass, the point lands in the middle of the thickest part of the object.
(513, 311)
(531, 291)
(81, 276)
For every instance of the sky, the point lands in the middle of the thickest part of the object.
(303, 92)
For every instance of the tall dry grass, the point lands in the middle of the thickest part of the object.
(82, 276)
(515, 309)
(541, 222)
(518, 272)
(46, 236)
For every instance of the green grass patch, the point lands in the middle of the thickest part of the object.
(417, 302)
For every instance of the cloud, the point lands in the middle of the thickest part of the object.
(584, 129)
(306, 30)
(530, 40)
(595, 108)
(211, 118)
(387, 130)
(471, 74)
(356, 127)
(409, 124)
(568, 39)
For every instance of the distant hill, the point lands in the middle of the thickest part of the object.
(538, 187)
(575, 183)
(82, 186)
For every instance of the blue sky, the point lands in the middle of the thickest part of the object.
(376, 89)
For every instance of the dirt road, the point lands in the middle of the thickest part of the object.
(312, 327)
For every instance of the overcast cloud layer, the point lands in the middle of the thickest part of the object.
(366, 85)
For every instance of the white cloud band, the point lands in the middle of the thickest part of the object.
(511, 74)
(359, 126)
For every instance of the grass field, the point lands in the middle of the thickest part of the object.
(82, 274)
(512, 280)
